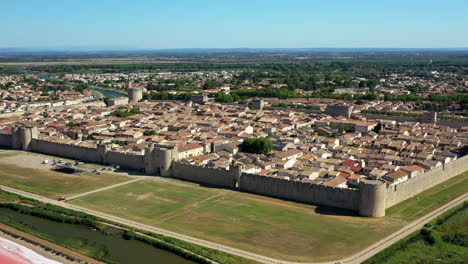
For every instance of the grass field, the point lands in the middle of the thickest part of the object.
(431, 199)
(444, 240)
(263, 225)
(53, 184)
(268, 226)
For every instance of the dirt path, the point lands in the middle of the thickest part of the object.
(195, 205)
(104, 188)
(45, 247)
(357, 258)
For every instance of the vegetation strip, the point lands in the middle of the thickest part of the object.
(417, 246)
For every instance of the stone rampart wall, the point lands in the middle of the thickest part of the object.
(206, 175)
(64, 150)
(5, 140)
(449, 123)
(412, 187)
(299, 191)
(126, 161)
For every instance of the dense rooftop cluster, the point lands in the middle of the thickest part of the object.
(314, 147)
(22, 92)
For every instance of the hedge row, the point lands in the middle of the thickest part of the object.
(50, 215)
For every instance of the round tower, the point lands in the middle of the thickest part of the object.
(150, 166)
(372, 198)
(21, 137)
(166, 160)
(135, 95)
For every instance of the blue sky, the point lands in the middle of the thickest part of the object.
(157, 24)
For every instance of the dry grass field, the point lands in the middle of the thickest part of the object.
(24, 171)
(272, 227)
(263, 225)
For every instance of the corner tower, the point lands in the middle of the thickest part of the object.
(372, 198)
(21, 137)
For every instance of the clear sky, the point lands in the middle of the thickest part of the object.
(158, 24)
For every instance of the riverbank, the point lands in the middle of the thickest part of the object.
(44, 247)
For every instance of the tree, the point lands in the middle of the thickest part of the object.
(149, 132)
(362, 84)
(73, 124)
(377, 128)
(261, 145)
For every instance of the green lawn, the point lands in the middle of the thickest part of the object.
(54, 184)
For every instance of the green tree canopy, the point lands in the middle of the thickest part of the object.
(261, 145)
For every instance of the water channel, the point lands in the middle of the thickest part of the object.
(107, 93)
(119, 250)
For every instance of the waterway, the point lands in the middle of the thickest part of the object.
(107, 93)
(119, 250)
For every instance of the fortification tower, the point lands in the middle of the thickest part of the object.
(135, 95)
(372, 198)
(236, 170)
(429, 117)
(158, 160)
(258, 104)
(102, 150)
(21, 137)
(199, 99)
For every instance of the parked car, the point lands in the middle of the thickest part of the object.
(62, 199)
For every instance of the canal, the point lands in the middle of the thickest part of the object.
(108, 93)
(85, 238)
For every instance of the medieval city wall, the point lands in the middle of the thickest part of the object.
(303, 110)
(200, 174)
(371, 200)
(300, 191)
(412, 187)
(449, 123)
(124, 160)
(64, 150)
(5, 140)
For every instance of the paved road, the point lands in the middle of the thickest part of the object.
(357, 258)
(105, 188)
